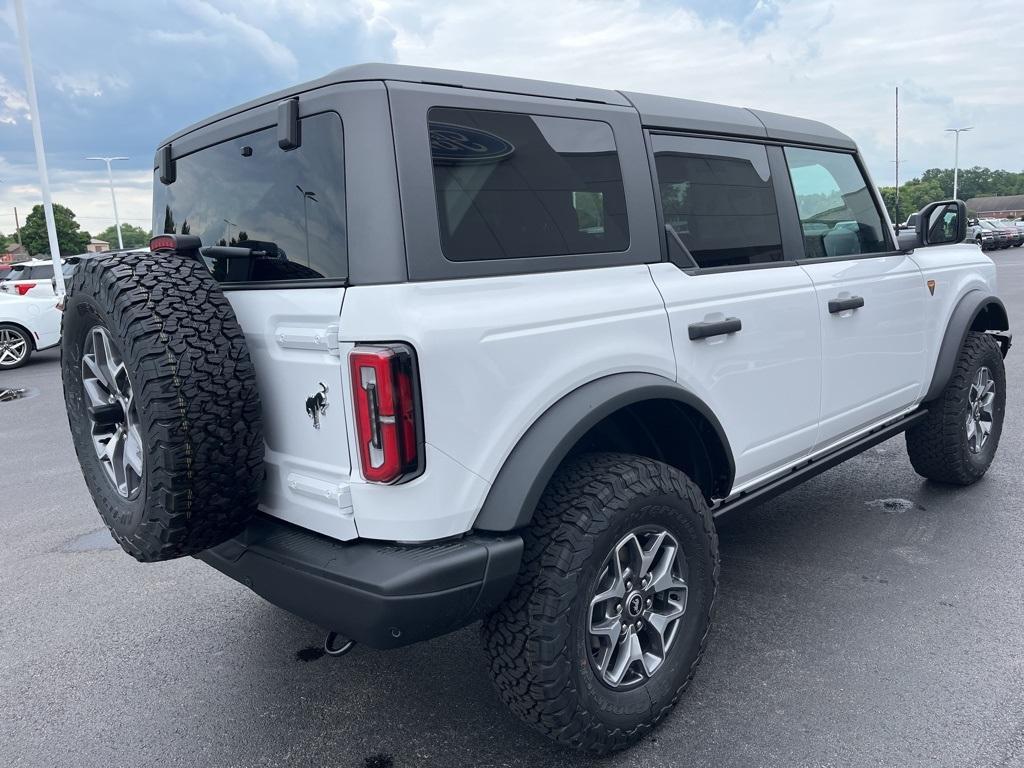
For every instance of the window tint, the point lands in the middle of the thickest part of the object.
(512, 186)
(250, 192)
(718, 198)
(837, 212)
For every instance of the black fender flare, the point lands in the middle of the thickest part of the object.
(529, 467)
(966, 312)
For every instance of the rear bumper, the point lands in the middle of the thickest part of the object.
(380, 594)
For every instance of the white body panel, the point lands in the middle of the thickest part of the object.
(287, 332)
(763, 383)
(873, 361)
(956, 270)
(36, 314)
(495, 353)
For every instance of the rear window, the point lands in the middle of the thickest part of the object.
(17, 272)
(38, 272)
(249, 192)
(512, 186)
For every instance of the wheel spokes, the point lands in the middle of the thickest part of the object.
(105, 382)
(635, 614)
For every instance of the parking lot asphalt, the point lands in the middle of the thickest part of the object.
(867, 618)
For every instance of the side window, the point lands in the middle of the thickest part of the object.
(512, 185)
(838, 215)
(717, 197)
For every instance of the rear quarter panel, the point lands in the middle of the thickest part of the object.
(494, 354)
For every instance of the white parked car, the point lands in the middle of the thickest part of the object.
(35, 275)
(27, 324)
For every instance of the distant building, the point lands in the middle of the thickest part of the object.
(97, 246)
(13, 253)
(1005, 206)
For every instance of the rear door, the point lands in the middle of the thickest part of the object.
(235, 185)
(871, 299)
(743, 314)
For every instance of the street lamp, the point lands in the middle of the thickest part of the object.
(306, 197)
(956, 156)
(113, 198)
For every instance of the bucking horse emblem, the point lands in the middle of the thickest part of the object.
(316, 405)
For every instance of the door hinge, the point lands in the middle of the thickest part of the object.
(325, 339)
(331, 339)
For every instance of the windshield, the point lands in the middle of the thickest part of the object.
(289, 205)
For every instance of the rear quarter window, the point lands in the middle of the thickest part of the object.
(248, 191)
(511, 185)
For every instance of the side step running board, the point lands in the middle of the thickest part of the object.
(816, 466)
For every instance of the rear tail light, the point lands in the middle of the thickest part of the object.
(162, 243)
(385, 390)
(23, 288)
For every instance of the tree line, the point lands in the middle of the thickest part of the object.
(937, 184)
(71, 238)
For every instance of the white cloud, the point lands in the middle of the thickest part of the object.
(828, 60)
(13, 104)
(836, 62)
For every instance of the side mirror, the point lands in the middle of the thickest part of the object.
(942, 223)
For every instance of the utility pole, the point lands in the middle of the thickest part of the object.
(956, 156)
(113, 197)
(37, 137)
(17, 226)
(896, 203)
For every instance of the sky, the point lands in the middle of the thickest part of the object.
(116, 77)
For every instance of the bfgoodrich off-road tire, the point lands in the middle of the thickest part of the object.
(940, 447)
(182, 371)
(539, 641)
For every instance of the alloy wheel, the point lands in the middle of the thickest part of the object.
(13, 347)
(113, 415)
(638, 606)
(981, 399)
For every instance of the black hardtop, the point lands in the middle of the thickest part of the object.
(655, 111)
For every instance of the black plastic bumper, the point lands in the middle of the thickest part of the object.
(383, 595)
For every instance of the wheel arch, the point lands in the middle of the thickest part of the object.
(637, 412)
(976, 311)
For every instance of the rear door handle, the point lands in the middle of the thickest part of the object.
(836, 306)
(714, 328)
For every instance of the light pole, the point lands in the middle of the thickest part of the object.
(956, 156)
(37, 139)
(230, 225)
(113, 198)
(306, 197)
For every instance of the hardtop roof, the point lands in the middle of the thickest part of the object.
(655, 111)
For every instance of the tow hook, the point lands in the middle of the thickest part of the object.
(337, 645)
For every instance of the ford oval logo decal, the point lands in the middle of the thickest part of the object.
(460, 144)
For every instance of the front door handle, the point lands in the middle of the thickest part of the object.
(714, 328)
(835, 306)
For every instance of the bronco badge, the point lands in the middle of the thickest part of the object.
(316, 405)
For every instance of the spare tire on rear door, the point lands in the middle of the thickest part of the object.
(162, 402)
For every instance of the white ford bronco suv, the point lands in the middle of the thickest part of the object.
(415, 348)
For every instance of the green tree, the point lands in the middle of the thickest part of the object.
(71, 239)
(132, 236)
(937, 184)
